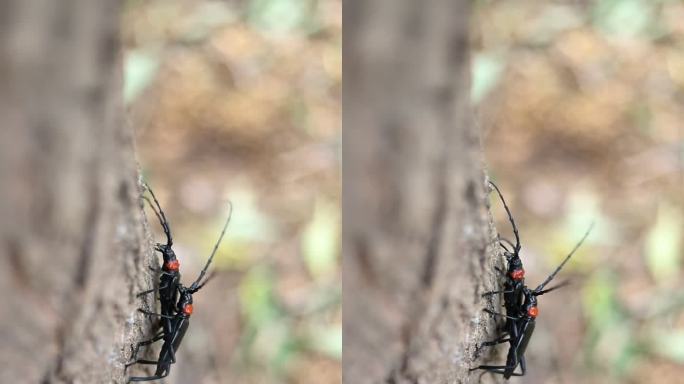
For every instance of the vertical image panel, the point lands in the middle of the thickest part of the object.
(416, 235)
(512, 195)
(239, 101)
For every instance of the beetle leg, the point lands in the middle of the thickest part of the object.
(143, 293)
(150, 362)
(148, 378)
(134, 351)
(501, 314)
(500, 340)
(496, 292)
(500, 369)
(154, 314)
(523, 367)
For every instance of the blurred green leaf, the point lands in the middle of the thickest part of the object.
(663, 244)
(624, 18)
(584, 208)
(256, 296)
(321, 238)
(274, 345)
(278, 16)
(627, 346)
(669, 344)
(248, 225)
(231, 254)
(599, 300)
(610, 337)
(326, 340)
(268, 340)
(140, 67)
(249, 222)
(487, 68)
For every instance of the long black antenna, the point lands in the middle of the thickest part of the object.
(504, 240)
(510, 218)
(551, 276)
(156, 213)
(160, 215)
(502, 245)
(195, 285)
(559, 285)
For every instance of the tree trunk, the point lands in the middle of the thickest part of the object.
(74, 249)
(417, 236)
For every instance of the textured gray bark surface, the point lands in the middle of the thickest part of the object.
(74, 248)
(417, 239)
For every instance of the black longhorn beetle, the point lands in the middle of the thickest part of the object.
(515, 273)
(169, 277)
(176, 315)
(521, 323)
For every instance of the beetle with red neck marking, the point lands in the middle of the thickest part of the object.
(169, 276)
(175, 315)
(521, 311)
(515, 273)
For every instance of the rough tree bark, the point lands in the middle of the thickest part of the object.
(417, 236)
(74, 248)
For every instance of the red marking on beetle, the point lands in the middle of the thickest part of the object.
(518, 274)
(172, 265)
(187, 309)
(533, 312)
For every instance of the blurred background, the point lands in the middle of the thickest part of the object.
(240, 101)
(581, 105)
